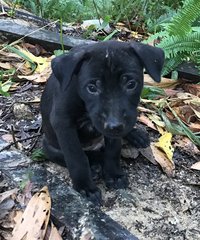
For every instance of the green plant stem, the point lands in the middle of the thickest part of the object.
(61, 36)
(96, 9)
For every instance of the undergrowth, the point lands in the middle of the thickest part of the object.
(180, 37)
(147, 12)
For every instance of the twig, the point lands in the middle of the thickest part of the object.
(13, 136)
(17, 141)
(37, 30)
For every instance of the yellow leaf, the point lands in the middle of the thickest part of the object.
(42, 62)
(166, 164)
(164, 143)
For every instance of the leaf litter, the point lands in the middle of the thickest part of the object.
(168, 108)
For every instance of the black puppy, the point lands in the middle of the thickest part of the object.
(94, 91)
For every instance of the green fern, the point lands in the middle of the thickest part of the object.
(180, 40)
(176, 45)
(182, 22)
(171, 64)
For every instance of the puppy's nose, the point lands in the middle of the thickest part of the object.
(114, 126)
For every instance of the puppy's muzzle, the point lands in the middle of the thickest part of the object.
(114, 127)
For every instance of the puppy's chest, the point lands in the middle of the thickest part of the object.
(89, 137)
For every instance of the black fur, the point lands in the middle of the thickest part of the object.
(94, 92)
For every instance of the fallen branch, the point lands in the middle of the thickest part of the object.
(18, 141)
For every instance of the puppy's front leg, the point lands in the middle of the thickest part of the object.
(138, 138)
(77, 162)
(113, 174)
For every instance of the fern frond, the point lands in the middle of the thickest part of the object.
(181, 23)
(156, 36)
(171, 64)
(177, 44)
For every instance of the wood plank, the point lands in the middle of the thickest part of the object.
(69, 208)
(51, 40)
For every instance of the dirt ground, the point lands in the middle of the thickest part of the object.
(154, 207)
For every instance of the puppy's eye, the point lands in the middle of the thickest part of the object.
(92, 89)
(131, 85)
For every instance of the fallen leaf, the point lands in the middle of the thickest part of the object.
(164, 143)
(185, 113)
(145, 110)
(196, 166)
(170, 92)
(7, 194)
(192, 88)
(35, 218)
(7, 137)
(166, 164)
(6, 207)
(42, 62)
(196, 109)
(54, 234)
(148, 154)
(195, 127)
(5, 86)
(144, 119)
(5, 65)
(187, 145)
(156, 119)
(165, 82)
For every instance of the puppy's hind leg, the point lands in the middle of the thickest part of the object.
(53, 154)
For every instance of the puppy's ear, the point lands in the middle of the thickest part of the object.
(152, 58)
(64, 66)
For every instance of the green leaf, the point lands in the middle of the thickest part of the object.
(110, 35)
(195, 139)
(150, 92)
(24, 56)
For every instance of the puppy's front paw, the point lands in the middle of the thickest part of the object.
(93, 195)
(117, 183)
(138, 138)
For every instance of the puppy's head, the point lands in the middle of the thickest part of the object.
(109, 79)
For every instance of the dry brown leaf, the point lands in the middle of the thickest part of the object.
(170, 92)
(38, 77)
(14, 86)
(10, 55)
(54, 234)
(196, 166)
(195, 127)
(7, 194)
(35, 218)
(144, 119)
(192, 88)
(185, 113)
(160, 157)
(165, 82)
(156, 119)
(196, 109)
(7, 137)
(187, 145)
(145, 110)
(18, 216)
(148, 154)
(5, 65)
